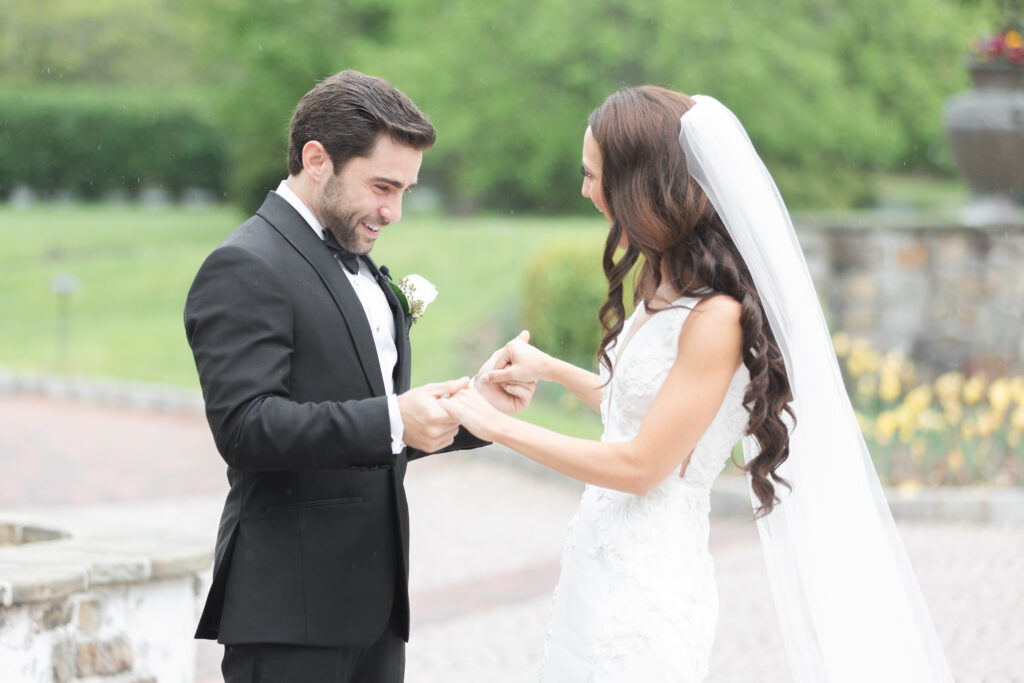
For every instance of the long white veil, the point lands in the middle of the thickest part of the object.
(846, 597)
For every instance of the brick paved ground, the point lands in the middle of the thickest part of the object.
(486, 541)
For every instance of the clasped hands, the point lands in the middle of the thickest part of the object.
(504, 385)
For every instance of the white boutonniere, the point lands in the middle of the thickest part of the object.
(415, 293)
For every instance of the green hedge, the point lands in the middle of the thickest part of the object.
(565, 287)
(92, 141)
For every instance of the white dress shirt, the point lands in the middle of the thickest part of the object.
(378, 314)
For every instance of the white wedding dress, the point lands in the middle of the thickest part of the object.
(636, 600)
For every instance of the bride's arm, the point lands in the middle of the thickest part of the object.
(709, 353)
(520, 362)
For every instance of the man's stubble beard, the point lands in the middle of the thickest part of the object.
(337, 218)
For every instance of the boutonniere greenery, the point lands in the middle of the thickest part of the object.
(415, 293)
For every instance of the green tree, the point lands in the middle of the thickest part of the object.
(100, 41)
(262, 57)
(830, 91)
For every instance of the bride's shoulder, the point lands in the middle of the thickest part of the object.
(721, 307)
(715, 317)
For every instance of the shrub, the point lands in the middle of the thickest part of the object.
(92, 141)
(565, 287)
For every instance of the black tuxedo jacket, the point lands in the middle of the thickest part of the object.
(313, 544)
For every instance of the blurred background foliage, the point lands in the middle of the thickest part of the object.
(834, 93)
(111, 99)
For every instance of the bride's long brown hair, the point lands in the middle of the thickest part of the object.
(667, 218)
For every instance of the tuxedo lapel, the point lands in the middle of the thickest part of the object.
(402, 367)
(287, 221)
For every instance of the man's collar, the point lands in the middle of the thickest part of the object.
(289, 196)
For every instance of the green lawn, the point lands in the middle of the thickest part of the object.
(134, 265)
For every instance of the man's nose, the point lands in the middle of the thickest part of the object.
(392, 211)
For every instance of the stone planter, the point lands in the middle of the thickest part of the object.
(985, 126)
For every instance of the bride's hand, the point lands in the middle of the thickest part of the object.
(507, 396)
(517, 363)
(473, 412)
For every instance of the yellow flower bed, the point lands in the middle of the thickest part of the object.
(955, 429)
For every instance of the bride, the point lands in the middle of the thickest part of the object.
(727, 343)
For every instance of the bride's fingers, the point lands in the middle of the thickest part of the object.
(498, 359)
(517, 390)
(511, 374)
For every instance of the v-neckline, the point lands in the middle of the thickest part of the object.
(634, 330)
(631, 333)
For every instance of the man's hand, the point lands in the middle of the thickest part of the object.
(475, 414)
(508, 397)
(428, 426)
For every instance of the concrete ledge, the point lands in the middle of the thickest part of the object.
(16, 534)
(24, 582)
(50, 570)
(979, 504)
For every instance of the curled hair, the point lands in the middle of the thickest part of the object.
(347, 112)
(666, 218)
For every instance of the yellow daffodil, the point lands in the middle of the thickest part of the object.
(1017, 389)
(895, 360)
(889, 387)
(918, 398)
(1017, 419)
(862, 358)
(857, 363)
(867, 385)
(948, 385)
(1013, 40)
(988, 422)
(974, 389)
(885, 426)
(1000, 395)
(932, 421)
(874, 359)
(841, 343)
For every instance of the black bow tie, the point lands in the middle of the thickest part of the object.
(348, 259)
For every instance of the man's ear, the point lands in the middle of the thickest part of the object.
(316, 162)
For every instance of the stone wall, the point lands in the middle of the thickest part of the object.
(949, 296)
(109, 606)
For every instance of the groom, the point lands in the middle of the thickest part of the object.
(303, 355)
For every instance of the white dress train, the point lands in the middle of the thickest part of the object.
(636, 599)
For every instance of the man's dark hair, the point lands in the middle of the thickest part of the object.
(346, 113)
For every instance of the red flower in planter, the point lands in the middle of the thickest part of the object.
(1005, 46)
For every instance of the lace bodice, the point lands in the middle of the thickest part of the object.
(636, 599)
(641, 369)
